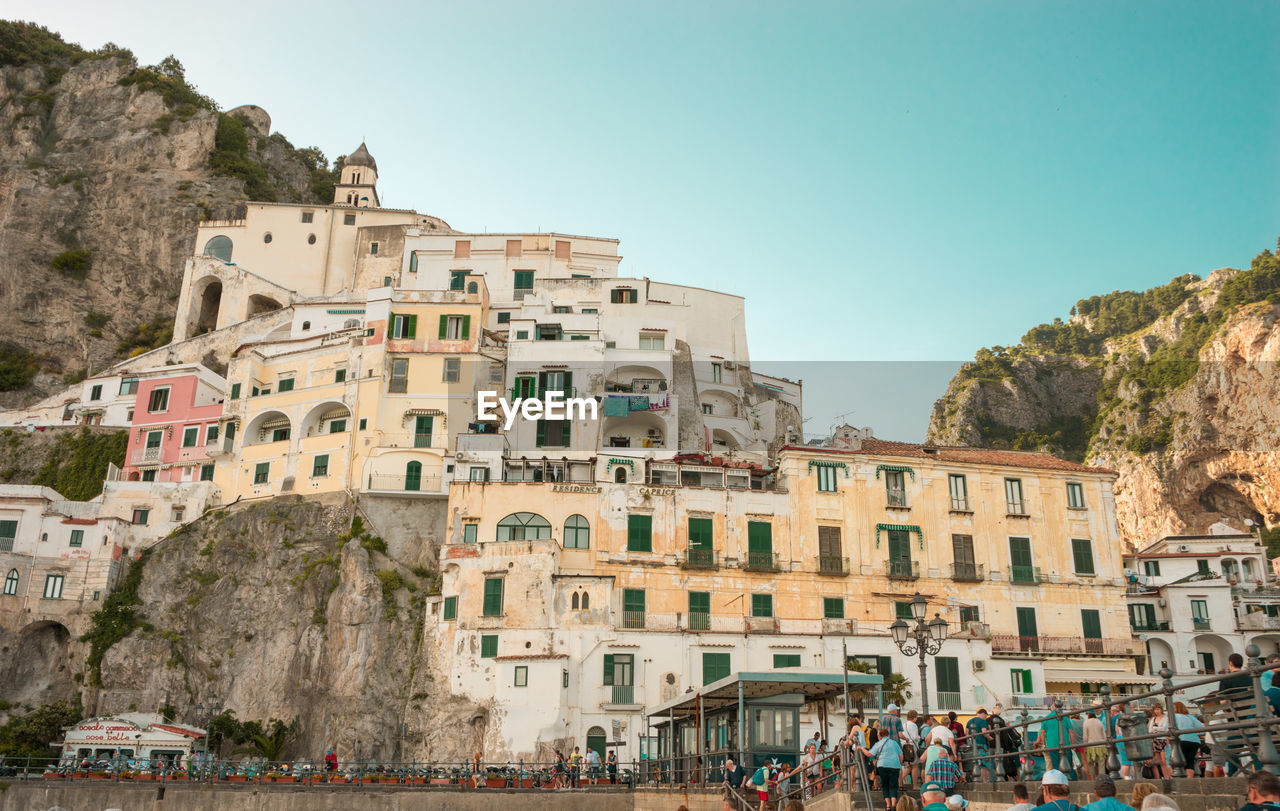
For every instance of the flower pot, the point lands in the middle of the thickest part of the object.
(176, 777)
(53, 776)
(237, 778)
(289, 779)
(338, 780)
(388, 779)
(526, 782)
(369, 779)
(496, 782)
(435, 781)
(145, 777)
(79, 775)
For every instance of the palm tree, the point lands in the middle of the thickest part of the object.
(270, 745)
(895, 688)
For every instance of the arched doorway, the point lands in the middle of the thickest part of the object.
(413, 476)
(259, 305)
(1162, 653)
(210, 304)
(596, 740)
(219, 248)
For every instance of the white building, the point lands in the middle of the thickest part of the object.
(134, 736)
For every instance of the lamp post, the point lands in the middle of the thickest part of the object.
(206, 716)
(924, 638)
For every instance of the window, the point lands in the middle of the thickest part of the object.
(1021, 680)
(493, 597)
(266, 238)
(880, 665)
(900, 563)
(1021, 568)
(159, 400)
(284, 384)
(959, 491)
(699, 611)
(701, 533)
(8, 531)
(1202, 567)
(149, 475)
(455, 327)
(833, 608)
(423, 426)
(639, 533)
(1200, 614)
(404, 326)
(781, 660)
(176, 514)
(1151, 568)
(902, 610)
(1091, 624)
(211, 434)
(95, 393)
(399, 376)
(77, 538)
(1027, 626)
(450, 608)
(452, 370)
(386, 281)
(373, 248)
(140, 517)
(53, 587)
(717, 372)
(261, 472)
(522, 676)
(504, 318)
(1142, 617)
(470, 532)
(706, 409)
(895, 488)
(577, 532)
(523, 527)
(619, 669)
(308, 216)
(968, 614)
(340, 375)
(279, 434)
(206, 473)
(522, 334)
(457, 280)
(759, 545)
(1082, 553)
(762, 605)
(775, 728)
(523, 282)
(413, 476)
(560, 309)
(622, 295)
(488, 646)
(553, 433)
(830, 557)
(633, 608)
(715, 666)
(827, 478)
(320, 466)
(348, 219)
(191, 436)
(11, 582)
(337, 426)
(651, 341)
(479, 474)
(129, 385)
(962, 554)
(1013, 497)
(1075, 495)
(947, 669)
(235, 391)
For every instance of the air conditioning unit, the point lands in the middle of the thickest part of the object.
(1184, 548)
(1162, 603)
(979, 664)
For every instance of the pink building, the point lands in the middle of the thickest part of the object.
(175, 418)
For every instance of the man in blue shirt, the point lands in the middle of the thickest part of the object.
(1104, 788)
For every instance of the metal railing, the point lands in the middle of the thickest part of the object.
(696, 557)
(1149, 626)
(698, 621)
(762, 562)
(1200, 624)
(632, 619)
(1025, 574)
(1243, 734)
(1014, 643)
(831, 564)
(968, 572)
(948, 700)
(899, 569)
(386, 482)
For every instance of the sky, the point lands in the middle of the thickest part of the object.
(895, 183)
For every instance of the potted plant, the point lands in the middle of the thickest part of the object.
(237, 778)
(492, 780)
(388, 778)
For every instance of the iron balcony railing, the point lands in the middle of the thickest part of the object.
(899, 569)
(699, 621)
(1200, 623)
(837, 626)
(948, 700)
(1014, 643)
(537, 394)
(1149, 626)
(632, 619)
(389, 482)
(1029, 575)
(831, 564)
(624, 694)
(967, 572)
(696, 557)
(763, 562)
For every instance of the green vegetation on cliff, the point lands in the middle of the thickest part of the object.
(77, 466)
(18, 366)
(30, 735)
(119, 616)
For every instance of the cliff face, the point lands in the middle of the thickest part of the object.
(1175, 388)
(105, 170)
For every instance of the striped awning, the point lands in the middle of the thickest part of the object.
(899, 528)
(896, 469)
(271, 425)
(335, 414)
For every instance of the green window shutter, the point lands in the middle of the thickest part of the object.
(633, 600)
(902, 610)
(899, 545)
(541, 439)
(466, 327)
(760, 537)
(781, 660)
(1027, 622)
(235, 391)
(488, 646)
(1082, 551)
(884, 666)
(1020, 551)
(206, 473)
(699, 602)
(493, 597)
(1091, 622)
(450, 608)
(948, 668)
(608, 670)
(190, 436)
(639, 533)
(413, 327)
(444, 326)
(833, 608)
(542, 384)
(715, 666)
(762, 605)
(568, 383)
(700, 533)
(285, 384)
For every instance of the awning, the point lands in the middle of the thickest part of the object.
(1092, 676)
(335, 414)
(814, 685)
(269, 425)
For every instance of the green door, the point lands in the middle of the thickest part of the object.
(1020, 560)
(759, 545)
(596, 741)
(899, 553)
(413, 476)
(422, 432)
(1027, 634)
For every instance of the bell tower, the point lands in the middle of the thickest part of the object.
(358, 183)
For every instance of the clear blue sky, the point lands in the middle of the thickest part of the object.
(897, 181)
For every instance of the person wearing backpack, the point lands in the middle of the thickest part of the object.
(760, 782)
(1010, 741)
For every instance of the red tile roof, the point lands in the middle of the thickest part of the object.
(973, 456)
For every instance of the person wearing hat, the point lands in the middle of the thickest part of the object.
(1104, 788)
(891, 724)
(957, 803)
(1057, 792)
(934, 796)
(943, 770)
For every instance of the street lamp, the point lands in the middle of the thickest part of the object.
(924, 639)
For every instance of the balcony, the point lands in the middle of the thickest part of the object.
(700, 558)
(393, 483)
(948, 700)
(633, 619)
(668, 474)
(763, 562)
(515, 394)
(831, 564)
(1027, 575)
(832, 626)
(405, 440)
(1258, 621)
(898, 569)
(967, 572)
(1200, 624)
(1017, 509)
(623, 694)
(1140, 627)
(147, 456)
(1064, 645)
(762, 625)
(698, 621)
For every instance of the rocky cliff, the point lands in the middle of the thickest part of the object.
(1175, 387)
(105, 169)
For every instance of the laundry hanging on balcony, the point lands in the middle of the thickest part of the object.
(617, 406)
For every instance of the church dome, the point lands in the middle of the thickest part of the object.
(361, 157)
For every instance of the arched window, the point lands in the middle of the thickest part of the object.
(219, 248)
(586, 601)
(577, 533)
(620, 475)
(306, 325)
(472, 287)
(523, 527)
(11, 582)
(574, 602)
(413, 476)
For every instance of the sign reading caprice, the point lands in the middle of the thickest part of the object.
(553, 406)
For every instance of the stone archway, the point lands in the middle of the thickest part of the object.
(260, 305)
(34, 665)
(210, 305)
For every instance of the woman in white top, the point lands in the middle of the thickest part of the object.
(1159, 723)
